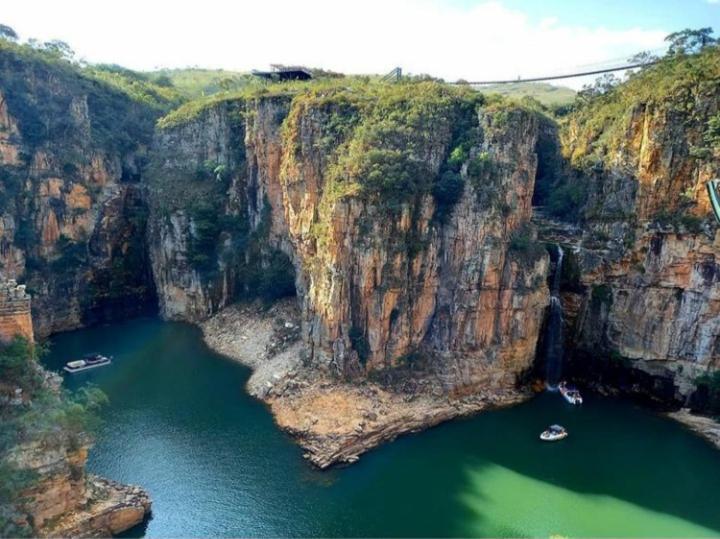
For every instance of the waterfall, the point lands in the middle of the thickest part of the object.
(554, 336)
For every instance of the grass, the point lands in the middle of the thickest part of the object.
(547, 94)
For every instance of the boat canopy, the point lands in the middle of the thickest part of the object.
(557, 428)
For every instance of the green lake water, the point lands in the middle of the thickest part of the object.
(180, 424)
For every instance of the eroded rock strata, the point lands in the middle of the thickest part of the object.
(65, 501)
(408, 318)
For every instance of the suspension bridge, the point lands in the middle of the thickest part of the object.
(598, 68)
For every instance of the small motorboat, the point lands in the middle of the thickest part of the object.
(89, 361)
(570, 393)
(554, 433)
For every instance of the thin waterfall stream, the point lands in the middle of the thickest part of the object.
(554, 339)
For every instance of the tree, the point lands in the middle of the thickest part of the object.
(690, 41)
(8, 33)
(602, 85)
(644, 57)
(60, 49)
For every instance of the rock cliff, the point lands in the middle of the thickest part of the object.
(72, 216)
(388, 273)
(421, 286)
(641, 285)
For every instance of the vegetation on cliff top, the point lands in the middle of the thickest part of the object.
(683, 86)
(34, 411)
(675, 82)
(46, 87)
(47, 92)
(403, 136)
(196, 82)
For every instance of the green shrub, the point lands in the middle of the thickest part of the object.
(392, 175)
(202, 244)
(457, 158)
(566, 200)
(680, 220)
(602, 293)
(40, 89)
(47, 416)
(524, 247)
(277, 280)
(16, 367)
(712, 133)
(447, 191)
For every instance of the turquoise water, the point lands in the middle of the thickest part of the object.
(180, 424)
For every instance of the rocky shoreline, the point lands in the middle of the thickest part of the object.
(706, 427)
(111, 508)
(332, 420)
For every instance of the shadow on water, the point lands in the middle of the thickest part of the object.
(181, 425)
(620, 463)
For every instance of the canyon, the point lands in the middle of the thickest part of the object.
(391, 245)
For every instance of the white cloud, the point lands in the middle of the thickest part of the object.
(488, 40)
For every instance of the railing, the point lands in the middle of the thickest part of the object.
(712, 188)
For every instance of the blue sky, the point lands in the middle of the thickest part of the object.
(469, 39)
(618, 14)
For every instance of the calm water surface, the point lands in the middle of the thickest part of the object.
(180, 424)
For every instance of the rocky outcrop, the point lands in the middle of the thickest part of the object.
(408, 317)
(706, 427)
(652, 310)
(66, 502)
(334, 421)
(379, 287)
(408, 286)
(43, 454)
(15, 317)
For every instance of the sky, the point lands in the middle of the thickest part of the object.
(452, 39)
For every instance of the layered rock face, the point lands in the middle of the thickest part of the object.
(382, 286)
(643, 297)
(403, 285)
(655, 311)
(73, 217)
(67, 502)
(214, 184)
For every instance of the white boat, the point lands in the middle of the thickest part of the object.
(554, 433)
(90, 361)
(570, 394)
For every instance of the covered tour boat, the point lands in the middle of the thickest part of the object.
(89, 361)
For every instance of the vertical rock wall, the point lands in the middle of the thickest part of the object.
(396, 285)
